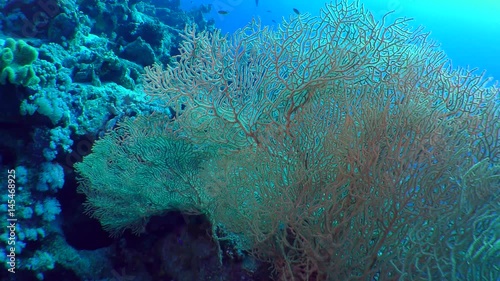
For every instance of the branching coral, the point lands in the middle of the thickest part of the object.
(346, 148)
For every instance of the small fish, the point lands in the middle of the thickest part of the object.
(269, 11)
(256, 3)
(223, 12)
(273, 21)
(296, 11)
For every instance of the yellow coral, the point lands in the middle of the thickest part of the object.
(16, 63)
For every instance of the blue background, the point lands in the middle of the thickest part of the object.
(468, 31)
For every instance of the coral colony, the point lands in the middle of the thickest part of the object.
(139, 142)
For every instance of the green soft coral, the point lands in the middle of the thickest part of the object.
(16, 60)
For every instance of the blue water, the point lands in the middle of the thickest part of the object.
(469, 31)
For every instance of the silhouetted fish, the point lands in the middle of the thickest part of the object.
(222, 12)
(296, 11)
(257, 3)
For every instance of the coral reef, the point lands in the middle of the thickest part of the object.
(68, 74)
(80, 79)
